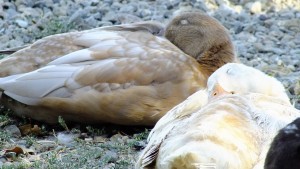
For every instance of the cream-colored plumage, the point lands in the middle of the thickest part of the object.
(249, 79)
(124, 74)
(230, 131)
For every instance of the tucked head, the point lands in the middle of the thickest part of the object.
(201, 36)
(235, 78)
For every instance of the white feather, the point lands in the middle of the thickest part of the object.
(95, 36)
(29, 87)
(74, 57)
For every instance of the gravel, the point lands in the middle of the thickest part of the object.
(266, 33)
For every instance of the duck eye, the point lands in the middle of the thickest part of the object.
(184, 22)
(230, 71)
(232, 92)
(215, 93)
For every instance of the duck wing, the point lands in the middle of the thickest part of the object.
(106, 57)
(165, 125)
(276, 112)
(28, 58)
(271, 114)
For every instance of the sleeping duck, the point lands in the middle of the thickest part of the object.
(284, 151)
(229, 126)
(126, 74)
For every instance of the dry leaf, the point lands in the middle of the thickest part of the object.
(27, 129)
(33, 158)
(18, 150)
(36, 130)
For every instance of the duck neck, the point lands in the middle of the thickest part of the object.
(215, 57)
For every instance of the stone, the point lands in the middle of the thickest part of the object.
(13, 130)
(66, 139)
(22, 23)
(297, 89)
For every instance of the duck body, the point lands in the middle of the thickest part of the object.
(125, 74)
(118, 74)
(229, 131)
(220, 135)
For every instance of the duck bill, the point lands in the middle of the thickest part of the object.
(217, 92)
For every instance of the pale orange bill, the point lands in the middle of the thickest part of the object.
(217, 92)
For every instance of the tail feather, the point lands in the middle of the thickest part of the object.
(12, 50)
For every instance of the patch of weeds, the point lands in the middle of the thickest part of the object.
(29, 141)
(53, 26)
(4, 119)
(62, 122)
(49, 159)
(142, 135)
(4, 137)
(18, 165)
(137, 142)
(121, 164)
(83, 156)
(95, 131)
(115, 146)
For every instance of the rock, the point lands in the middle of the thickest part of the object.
(44, 145)
(92, 22)
(128, 9)
(255, 7)
(89, 139)
(13, 130)
(100, 139)
(59, 11)
(263, 48)
(145, 13)
(116, 6)
(14, 43)
(22, 23)
(116, 138)
(77, 17)
(66, 139)
(291, 24)
(94, 2)
(110, 17)
(109, 166)
(297, 89)
(128, 18)
(139, 145)
(263, 17)
(10, 14)
(108, 157)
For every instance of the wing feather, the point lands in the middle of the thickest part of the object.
(165, 125)
(52, 47)
(70, 75)
(37, 84)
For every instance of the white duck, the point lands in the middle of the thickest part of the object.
(120, 74)
(228, 131)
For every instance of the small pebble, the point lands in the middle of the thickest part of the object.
(13, 130)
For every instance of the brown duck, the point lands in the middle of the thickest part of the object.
(126, 74)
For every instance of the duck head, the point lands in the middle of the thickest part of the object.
(235, 78)
(203, 38)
